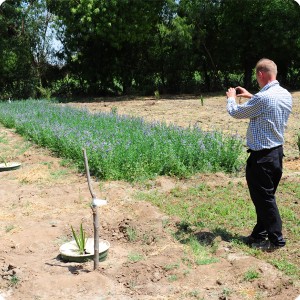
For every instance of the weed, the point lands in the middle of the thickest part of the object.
(3, 160)
(48, 164)
(65, 162)
(156, 94)
(132, 284)
(206, 261)
(285, 266)
(3, 139)
(9, 228)
(14, 280)
(135, 257)
(194, 294)
(202, 100)
(165, 222)
(58, 174)
(170, 267)
(131, 234)
(114, 110)
(226, 292)
(187, 260)
(172, 278)
(251, 275)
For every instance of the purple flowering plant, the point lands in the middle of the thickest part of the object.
(122, 147)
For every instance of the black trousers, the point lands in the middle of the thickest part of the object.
(263, 173)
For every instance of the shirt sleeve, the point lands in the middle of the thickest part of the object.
(249, 109)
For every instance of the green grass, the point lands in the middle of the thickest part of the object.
(9, 228)
(14, 280)
(251, 274)
(226, 210)
(135, 257)
(131, 233)
(3, 138)
(170, 267)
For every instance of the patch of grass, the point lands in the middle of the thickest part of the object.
(226, 210)
(135, 257)
(202, 253)
(226, 292)
(22, 148)
(65, 162)
(286, 267)
(195, 294)
(206, 261)
(201, 100)
(250, 275)
(132, 284)
(172, 278)
(170, 267)
(131, 233)
(14, 280)
(3, 138)
(9, 228)
(48, 164)
(59, 173)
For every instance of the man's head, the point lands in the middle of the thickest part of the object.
(266, 71)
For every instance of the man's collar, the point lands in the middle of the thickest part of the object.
(270, 84)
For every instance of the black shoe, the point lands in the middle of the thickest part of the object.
(249, 240)
(266, 246)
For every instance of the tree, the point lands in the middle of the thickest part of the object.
(25, 48)
(38, 27)
(107, 41)
(259, 29)
(15, 63)
(202, 16)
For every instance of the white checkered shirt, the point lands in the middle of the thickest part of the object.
(268, 111)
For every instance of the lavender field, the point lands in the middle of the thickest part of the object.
(122, 147)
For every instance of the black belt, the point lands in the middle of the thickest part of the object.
(263, 150)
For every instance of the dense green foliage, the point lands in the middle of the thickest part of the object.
(136, 46)
(121, 147)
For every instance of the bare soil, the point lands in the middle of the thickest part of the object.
(41, 200)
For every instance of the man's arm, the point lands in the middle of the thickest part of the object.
(232, 92)
(250, 109)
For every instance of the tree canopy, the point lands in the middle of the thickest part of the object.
(122, 47)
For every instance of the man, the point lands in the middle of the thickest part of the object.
(268, 111)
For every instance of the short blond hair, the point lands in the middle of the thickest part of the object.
(266, 65)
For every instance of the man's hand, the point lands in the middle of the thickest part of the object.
(243, 92)
(231, 93)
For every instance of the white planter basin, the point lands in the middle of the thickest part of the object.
(69, 251)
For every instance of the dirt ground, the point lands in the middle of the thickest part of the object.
(41, 200)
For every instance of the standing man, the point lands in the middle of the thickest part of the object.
(268, 111)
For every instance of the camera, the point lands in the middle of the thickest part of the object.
(237, 90)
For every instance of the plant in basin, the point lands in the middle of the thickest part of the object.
(80, 239)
